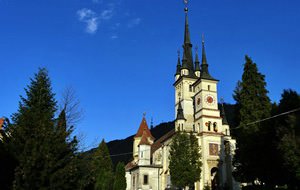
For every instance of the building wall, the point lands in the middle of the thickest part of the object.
(137, 178)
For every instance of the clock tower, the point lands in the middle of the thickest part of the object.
(206, 112)
(196, 110)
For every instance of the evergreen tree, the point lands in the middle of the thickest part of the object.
(65, 162)
(7, 159)
(102, 168)
(41, 144)
(253, 104)
(185, 161)
(288, 132)
(120, 180)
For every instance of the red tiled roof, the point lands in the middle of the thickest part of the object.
(144, 140)
(1, 122)
(159, 142)
(130, 165)
(144, 129)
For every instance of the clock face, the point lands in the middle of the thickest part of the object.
(209, 99)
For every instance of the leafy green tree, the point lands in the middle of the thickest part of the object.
(120, 180)
(185, 163)
(253, 105)
(102, 168)
(42, 144)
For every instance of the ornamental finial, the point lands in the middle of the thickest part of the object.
(186, 3)
(222, 100)
(202, 38)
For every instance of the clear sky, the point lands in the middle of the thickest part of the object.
(120, 55)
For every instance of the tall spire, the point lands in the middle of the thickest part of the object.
(187, 39)
(178, 67)
(204, 66)
(197, 66)
(223, 115)
(180, 115)
(187, 45)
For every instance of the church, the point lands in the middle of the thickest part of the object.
(196, 111)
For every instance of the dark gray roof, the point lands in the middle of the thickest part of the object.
(180, 114)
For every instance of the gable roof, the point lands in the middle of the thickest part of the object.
(144, 129)
(162, 139)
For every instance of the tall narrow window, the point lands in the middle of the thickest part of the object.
(215, 127)
(133, 182)
(209, 123)
(145, 182)
(208, 87)
(194, 130)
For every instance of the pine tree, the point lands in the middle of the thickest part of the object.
(102, 168)
(120, 180)
(41, 145)
(65, 162)
(185, 161)
(288, 133)
(6, 158)
(253, 105)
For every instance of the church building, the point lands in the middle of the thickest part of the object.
(196, 111)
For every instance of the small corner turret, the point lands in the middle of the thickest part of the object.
(204, 65)
(180, 119)
(178, 67)
(197, 63)
(142, 137)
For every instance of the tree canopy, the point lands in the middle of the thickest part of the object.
(185, 160)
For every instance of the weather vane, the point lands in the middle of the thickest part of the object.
(202, 38)
(186, 3)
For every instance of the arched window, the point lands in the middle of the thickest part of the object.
(215, 127)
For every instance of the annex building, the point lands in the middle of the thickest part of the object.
(196, 110)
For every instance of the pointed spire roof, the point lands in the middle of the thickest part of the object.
(204, 66)
(197, 62)
(187, 38)
(144, 129)
(178, 67)
(144, 140)
(180, 115)
(223, 115)
(187, 61)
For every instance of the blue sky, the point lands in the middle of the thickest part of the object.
(120, 55)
